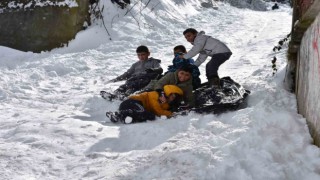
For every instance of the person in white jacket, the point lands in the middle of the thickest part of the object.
(205, 46)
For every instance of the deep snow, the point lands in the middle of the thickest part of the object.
(53, 119)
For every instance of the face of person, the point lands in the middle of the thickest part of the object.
(178, 51)
(171, 98)
(183, 76)
(143, 56)
(190, 37)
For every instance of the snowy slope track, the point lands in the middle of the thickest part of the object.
(53, 123)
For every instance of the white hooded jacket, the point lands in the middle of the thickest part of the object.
(206, 46)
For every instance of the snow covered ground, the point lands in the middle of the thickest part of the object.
(53, 123)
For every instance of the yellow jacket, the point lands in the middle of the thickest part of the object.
(150, 100)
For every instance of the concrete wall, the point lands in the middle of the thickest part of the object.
(308, 78)
(34, 28)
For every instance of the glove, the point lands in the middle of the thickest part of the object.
(160, 92)
(149, 70)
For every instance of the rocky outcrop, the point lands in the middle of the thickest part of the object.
(41, 25)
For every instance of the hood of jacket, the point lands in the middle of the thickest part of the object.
(199, 34)
(154, 59)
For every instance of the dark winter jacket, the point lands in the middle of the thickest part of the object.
(179, 62)
(172, 78)
(139, 68)
(206, 46)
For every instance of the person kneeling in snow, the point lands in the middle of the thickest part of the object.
(147, 105)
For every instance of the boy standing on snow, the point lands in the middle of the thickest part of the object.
(137, 76)
(205, 46)
(146, 106)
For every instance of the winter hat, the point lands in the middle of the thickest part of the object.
(170, 89)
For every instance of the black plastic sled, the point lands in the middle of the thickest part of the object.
(230, 97)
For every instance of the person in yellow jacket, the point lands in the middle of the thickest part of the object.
(147, 105)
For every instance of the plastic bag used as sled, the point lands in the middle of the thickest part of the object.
(231, 96)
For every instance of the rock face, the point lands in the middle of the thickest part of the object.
(41, 25)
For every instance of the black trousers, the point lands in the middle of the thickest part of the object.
(136, 83)
(213, 65)
(135, 109)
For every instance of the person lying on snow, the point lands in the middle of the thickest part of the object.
(181, 78)
(137, 76)
(178, 62)
(147, 105)
(205, 46)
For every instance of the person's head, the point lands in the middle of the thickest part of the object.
(190, 34)
(172, 93)
(143, 53)
(180, 49)
(185, 72)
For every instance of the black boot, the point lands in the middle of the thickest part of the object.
(111, 96)
(214, 82)
(114, 116)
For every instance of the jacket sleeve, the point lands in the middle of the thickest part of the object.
(156, 107)
(127, 74)
(198, 45)
(201, 58)
(162, 82)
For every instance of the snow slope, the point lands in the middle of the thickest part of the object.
(53, 123)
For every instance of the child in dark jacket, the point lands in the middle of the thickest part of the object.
(137, 76)
(179, 62)
(146, 106)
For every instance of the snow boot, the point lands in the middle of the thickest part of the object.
(107, 95)
(119, 117)
(214, 82)
(114, 116)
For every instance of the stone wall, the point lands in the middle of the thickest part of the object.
(308, 80)
(28, 27)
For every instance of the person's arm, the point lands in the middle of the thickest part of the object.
(163, 81)
(155, 70)
(156, 106)
(198, 45)
(201, 58)
(125, 75)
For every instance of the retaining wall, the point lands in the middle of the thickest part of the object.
(308, 78)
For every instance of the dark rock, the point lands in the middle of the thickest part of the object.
(27, 26)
